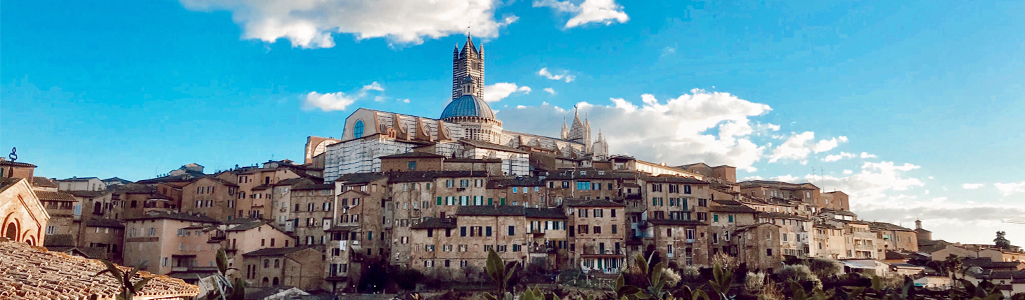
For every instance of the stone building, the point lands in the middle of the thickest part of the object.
(313, 207)
(161, 241)
(295, 266)
(81, 184)
(597, 233)
(758, 246)
(211, 196)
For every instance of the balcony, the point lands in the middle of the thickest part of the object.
(542, 249)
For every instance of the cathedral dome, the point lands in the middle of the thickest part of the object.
(468, 106)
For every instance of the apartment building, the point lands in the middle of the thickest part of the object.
(161, 241)
(296, 266)
(547, 237)
(597, 234)
(81, 184)
(894, 237)
(312, 212)
(758, 246)
(211, 196)
(795, 233)
(726, 217)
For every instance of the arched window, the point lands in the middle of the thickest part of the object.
(357, 130)
(275, 281)
(12, 231)
(265, 281)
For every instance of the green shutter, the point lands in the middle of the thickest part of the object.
(503, 201)
(489, 202)
(439, 200)
(654, 201)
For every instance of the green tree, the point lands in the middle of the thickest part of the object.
(1001, 240)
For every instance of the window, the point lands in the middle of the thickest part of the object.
(686, 189)
(690, 235)
(768, 252)
(512, 230)
(583, 185)
(598, 213)
(412, 165)
(715, 218)
(613, 213)
(462, 231)
(614, 231)
(597, 229)
(357, 130)
(583, 213)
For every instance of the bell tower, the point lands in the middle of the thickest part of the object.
(468, 62)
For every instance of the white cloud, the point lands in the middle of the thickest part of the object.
(405, 100)
(676, 131)
(339, 100)
(550, 90)
(972, 186)
(564, 76)
(310, 23)
(497, 92)
(848, 172)
(799, 146)
(1008, 189)
(836, 157)
(866, 155)
(873, 184)
(590, 11)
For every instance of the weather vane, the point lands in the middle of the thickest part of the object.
(14, 154)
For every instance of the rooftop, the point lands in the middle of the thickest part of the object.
(29, 272)
(159, 215)
(55, 196)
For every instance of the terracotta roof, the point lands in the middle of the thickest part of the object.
(156, 215)
(592, 203)
(501, 210)
(59, 240)
(675, 179)
(292, 181)
(55, 196)
(78, 179)
(424, 176)
(356, 178)
(436, 223)
(43, 182)
(887, 226)
(313, 186)
(546, 213)
(776, 215)
(676, 222)
(88, 194)
(515, 181)
(28, 272)
(4, 162)
(839, 212)
(108, 223)
(733, 209)
(276, 251)
(8, 182)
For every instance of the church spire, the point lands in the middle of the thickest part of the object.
(565, 131)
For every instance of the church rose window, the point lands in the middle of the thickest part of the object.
(357, 130)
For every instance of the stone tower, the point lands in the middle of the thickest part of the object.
(468, 62)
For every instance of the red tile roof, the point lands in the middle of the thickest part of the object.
(28, 272)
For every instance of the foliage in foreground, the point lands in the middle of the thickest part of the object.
(124, 280)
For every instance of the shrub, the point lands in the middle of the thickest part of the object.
(801, 274)
(823, 268)
(407, 278)
(690, 274)
(754, 283)
(671, 277)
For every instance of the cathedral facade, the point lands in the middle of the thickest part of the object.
(466, 129)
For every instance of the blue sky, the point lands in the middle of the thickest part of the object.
(913, 107)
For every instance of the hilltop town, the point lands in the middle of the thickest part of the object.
(435, 195)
